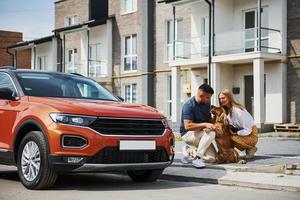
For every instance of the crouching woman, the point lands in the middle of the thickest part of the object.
(244, 132)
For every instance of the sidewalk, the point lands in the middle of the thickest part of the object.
(276, 166)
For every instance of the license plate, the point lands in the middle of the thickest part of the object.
(137, 145)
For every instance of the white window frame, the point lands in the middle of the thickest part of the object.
(131, 55)
(132, 9)
(204, 36)
(71, 65)
(95, 62)
(169, 46)
(130, 99)
(169, 95)
(42, 62)
(71, 20)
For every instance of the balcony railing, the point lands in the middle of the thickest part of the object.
(96, 69)
(227, 43)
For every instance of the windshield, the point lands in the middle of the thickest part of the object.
(62, 86)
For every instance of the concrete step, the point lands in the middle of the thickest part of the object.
(273, 181)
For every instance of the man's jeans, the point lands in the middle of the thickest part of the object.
(201, 143)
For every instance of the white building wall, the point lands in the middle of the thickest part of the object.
(275, 104)
(98, 35)
(46, 49)
(229, 22)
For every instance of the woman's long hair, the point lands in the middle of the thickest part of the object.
(232, 102)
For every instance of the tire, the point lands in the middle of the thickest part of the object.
(37, 173)
(145, 175)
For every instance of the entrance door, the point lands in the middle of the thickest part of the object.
(249, 93)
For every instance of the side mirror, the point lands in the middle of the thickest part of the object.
(7, 94)
(121, 98)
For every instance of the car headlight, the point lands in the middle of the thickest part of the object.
(165, 123)
(77, 120)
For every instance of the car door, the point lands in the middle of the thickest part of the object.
(8, 113)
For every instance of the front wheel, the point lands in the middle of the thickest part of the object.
(34, 169)
(145, 175)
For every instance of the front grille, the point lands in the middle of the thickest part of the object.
(115, 156)
(119, 126)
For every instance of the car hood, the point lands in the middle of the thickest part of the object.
(98, 108)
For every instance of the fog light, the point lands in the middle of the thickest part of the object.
(71, 141)
(75, 160)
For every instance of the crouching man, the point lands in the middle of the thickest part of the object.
(195, 117)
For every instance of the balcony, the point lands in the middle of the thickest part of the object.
(227, 43)
(96, 70)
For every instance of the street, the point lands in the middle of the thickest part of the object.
(110, 186)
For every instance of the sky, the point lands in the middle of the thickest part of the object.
(35, 18)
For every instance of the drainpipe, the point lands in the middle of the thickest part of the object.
(209, 41)
(64, 53)
(59, 52)
(213, 27)
(88, 52)
(259, 25)
(174, 31)
(16, 59)
(12, 57)
(34, 61)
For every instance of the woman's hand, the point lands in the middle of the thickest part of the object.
(209, 126)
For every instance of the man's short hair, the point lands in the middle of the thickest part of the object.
(206, 88)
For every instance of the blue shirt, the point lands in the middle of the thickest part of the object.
(191, 110)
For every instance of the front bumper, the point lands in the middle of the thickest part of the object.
(144, 161)
(102, 152)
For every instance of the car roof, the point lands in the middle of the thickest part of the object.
(13, 70)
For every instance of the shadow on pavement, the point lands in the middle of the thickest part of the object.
(97, 182)
(11, 175)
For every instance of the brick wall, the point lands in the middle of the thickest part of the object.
(164, 13)
(124, 25)
(293, 71)
(8, 38)
(69, 8)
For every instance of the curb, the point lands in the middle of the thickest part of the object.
(277, 169)
(231, 182)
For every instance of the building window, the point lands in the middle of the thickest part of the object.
(42, 62)
(129, 6)
(204, 35)
(95, 69)
(130, 54)
(169, 95)
(130, 93)
(71, 66)
(179, 43)
(70, 21)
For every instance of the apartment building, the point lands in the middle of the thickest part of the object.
(256, 76)
(133, 49)
(80, 43)
(137, 50)
(293, 68)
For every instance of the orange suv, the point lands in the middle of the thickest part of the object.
(53, 123)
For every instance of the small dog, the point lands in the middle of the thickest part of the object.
(226, 152)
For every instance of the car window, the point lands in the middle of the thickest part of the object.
(6, 82)
(62, 85)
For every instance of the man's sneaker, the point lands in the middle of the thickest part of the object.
(186, 158)
(250, 152)
(198, 163)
